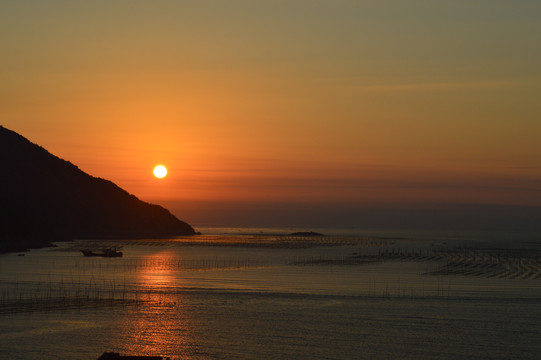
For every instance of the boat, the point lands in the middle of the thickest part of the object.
(104, 253)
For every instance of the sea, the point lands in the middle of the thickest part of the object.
(277, 293)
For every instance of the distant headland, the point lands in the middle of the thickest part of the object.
(44, 198)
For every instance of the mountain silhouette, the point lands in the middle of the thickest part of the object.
(44, 198)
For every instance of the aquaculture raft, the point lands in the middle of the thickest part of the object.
(103, 253)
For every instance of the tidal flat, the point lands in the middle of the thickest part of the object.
(274, 297)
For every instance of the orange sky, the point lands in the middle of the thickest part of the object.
(353, 102)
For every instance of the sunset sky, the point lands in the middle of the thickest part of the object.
(285, 112)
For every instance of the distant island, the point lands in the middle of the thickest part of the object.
(306, 233)
(44, 198)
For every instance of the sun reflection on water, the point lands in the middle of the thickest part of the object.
(160, 326)
(155, 275)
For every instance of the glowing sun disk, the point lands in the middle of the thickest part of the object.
(160, 171)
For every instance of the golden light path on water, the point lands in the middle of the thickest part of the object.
(162, 324)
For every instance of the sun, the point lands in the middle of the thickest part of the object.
(160, 171)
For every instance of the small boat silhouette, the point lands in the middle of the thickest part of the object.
(104, 253)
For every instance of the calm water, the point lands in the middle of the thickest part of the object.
(276, 297)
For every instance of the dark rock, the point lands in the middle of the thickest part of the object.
(117, 356)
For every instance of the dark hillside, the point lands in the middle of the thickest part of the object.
(44, 198)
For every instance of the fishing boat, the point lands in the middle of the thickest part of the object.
(104, 253)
